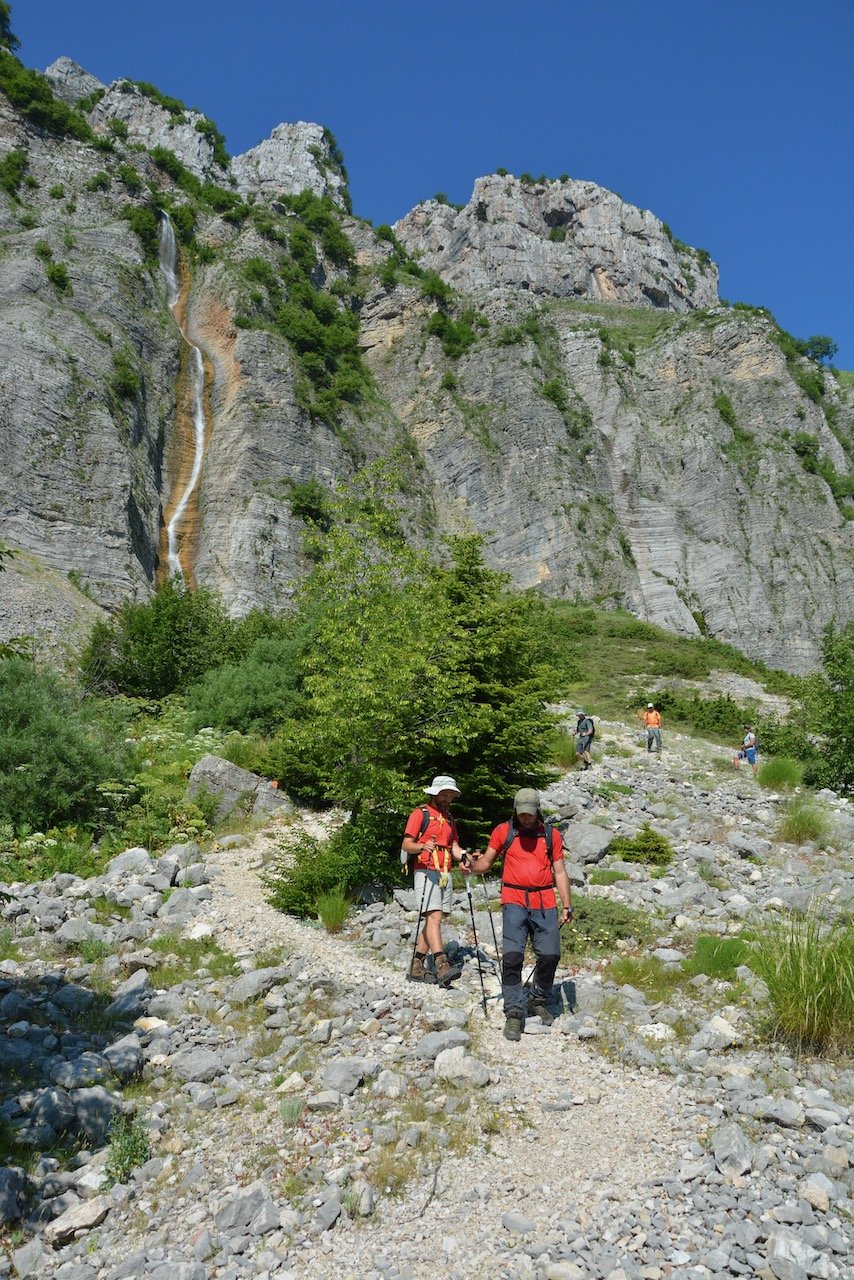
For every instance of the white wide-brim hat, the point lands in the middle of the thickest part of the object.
(442, 782)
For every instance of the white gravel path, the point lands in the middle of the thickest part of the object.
(628, 1126)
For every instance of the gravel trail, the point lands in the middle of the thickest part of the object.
(577, 1129)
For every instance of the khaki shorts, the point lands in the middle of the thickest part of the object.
(434, 898)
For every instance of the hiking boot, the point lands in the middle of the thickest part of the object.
(418, 971)
(446, 973)
(538, 1008)
(514, 1025)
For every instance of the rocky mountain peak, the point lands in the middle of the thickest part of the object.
(296, 157)
(561, 238)
(71, 82)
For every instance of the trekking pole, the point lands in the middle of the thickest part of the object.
(491, 921)
(476, 948)
(418, 925)
(534, 967)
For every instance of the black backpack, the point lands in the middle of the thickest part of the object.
(512, 833)
(591, 732)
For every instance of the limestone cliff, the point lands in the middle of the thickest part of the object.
(574, 390)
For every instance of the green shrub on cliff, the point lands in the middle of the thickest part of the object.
(31, 95)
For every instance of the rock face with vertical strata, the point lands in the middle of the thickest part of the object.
(614, 432)
(561, 239)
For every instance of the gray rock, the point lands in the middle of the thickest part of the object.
(197, 1064)
(26, 1259)
(55, 1107)
(80, 1218)
(12, 1187)
(256, 983)
(435, 1042)
(733, 1150)
(346, 1074)
(131, 862)
(125, 1057)
(586, 843)
(517, 1224)
(94, 1109)
(236, 789)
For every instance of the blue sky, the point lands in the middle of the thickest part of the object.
(731, 120)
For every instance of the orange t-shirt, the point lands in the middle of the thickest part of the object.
(652, 719)
(443, 830)
(527, 876)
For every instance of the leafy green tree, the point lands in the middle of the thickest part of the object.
(161, 646)
(8, 39)
(414, 670)
(820, 348)
(55, 749)
(829, 707)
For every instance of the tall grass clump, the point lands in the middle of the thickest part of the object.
(807, 963)
(781, 774)
(716, 957)
(803, 822)
(333, 907)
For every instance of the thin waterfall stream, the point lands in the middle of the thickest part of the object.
(168, 259)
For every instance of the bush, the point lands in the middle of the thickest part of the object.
(647, 846)
(781, 773)
(57, 274)
(253, 695)
(129, 1148)
(55, 749)
(13, 166)
(456, 336)
(162, 646)
(807, 964)
(356, 855)
(145, 222)
(723, 404)
(125, 382)
(30, 93)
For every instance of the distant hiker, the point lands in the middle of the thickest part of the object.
(584, 733)
(748, 750)
(430, 837)
(533, 865)
(652, 724)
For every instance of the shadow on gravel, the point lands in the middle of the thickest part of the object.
(63, 1053)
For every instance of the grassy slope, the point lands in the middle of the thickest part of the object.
(609, 657)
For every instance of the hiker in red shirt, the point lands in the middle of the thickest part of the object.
(430, 837)
(533, 868)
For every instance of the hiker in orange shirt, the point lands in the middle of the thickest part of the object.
(430, 837)
(652, 724)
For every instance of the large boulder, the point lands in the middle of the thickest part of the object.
(585, 843)
(235, 789)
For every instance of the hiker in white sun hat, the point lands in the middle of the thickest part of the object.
(430, 837)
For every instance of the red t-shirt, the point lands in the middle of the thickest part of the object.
(443, 830)
(526, 864)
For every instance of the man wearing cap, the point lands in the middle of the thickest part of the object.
(430, 837)
(652, 724)
(533, 868)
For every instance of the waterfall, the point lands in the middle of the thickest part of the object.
(168, 258)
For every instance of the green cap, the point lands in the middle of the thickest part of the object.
(527, 801)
